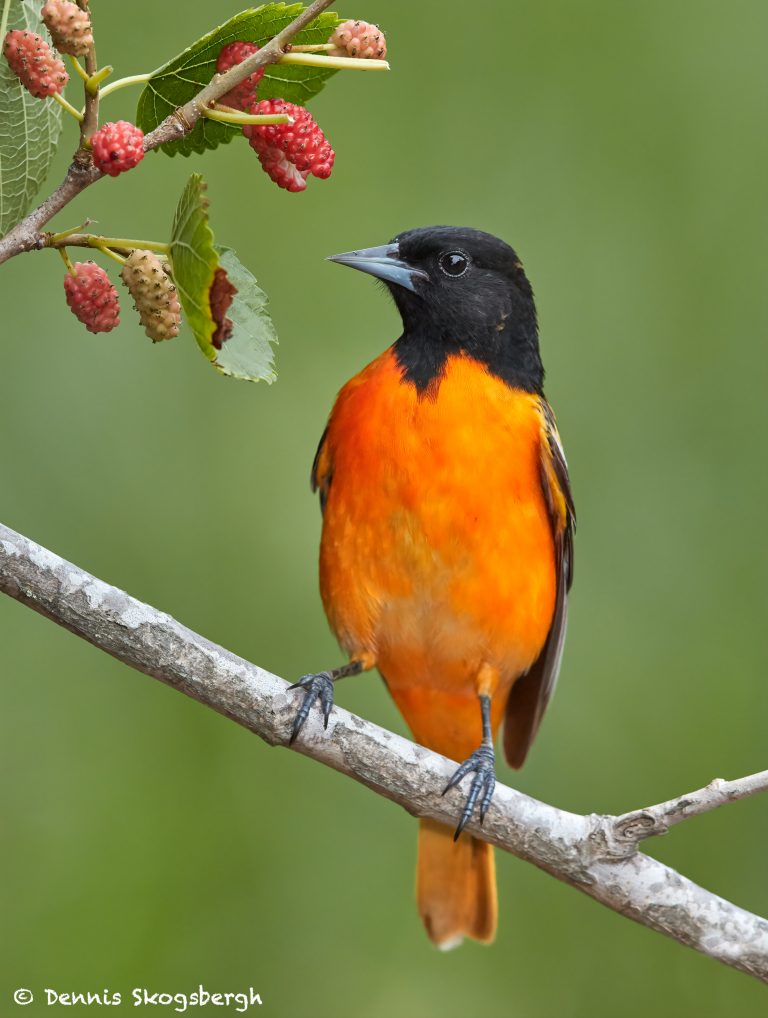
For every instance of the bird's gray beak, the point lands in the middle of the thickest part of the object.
(383, 262)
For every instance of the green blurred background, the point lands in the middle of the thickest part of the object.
(621, 148)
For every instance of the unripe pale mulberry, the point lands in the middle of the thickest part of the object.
(154, 294)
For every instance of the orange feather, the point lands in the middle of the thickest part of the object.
(437, 553)
(438, 562)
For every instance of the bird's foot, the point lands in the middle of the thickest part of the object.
(483, 764)
(317, 686)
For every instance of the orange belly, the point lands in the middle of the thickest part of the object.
(437, 554)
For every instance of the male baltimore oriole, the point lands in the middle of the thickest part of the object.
(447, 546)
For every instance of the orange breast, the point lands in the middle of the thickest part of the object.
(437, 553)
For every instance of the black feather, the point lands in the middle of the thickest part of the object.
(488, 312)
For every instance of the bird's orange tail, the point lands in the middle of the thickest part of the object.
(455, 886)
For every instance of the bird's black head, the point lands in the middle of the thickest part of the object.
(458, 290)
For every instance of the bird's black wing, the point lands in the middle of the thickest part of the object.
(322, 470)
(532, 692)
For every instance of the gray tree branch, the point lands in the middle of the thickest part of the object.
(596, 854)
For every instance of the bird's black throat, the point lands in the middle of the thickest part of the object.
(507, 347)
(472, 297)
(459, 291)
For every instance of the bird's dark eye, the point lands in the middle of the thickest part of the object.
(454, 263)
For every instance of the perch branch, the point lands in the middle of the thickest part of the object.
(596, 854)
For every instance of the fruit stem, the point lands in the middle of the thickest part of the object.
(129, 245)
(78, 68)
(68, 107)
(54, 238)
(73, 239)
(333, 63)
(316, 47)
(132, 79)
(226, 115)
(112, 254)
(67, 261)
(92, 83)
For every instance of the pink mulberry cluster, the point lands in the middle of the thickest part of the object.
(359, 39)
(70, 27)
(289, 153)
(117, 147)
(92, 297)
(34, 63)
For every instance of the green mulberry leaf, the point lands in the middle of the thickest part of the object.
(178, 81)
(29, 127)
(224, 306)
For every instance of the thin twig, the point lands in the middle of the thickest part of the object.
(655, 820)
(90, 121)
(579, 850)
(26, 236)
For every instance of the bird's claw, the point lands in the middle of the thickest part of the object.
(482, 762)
(316, 686)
